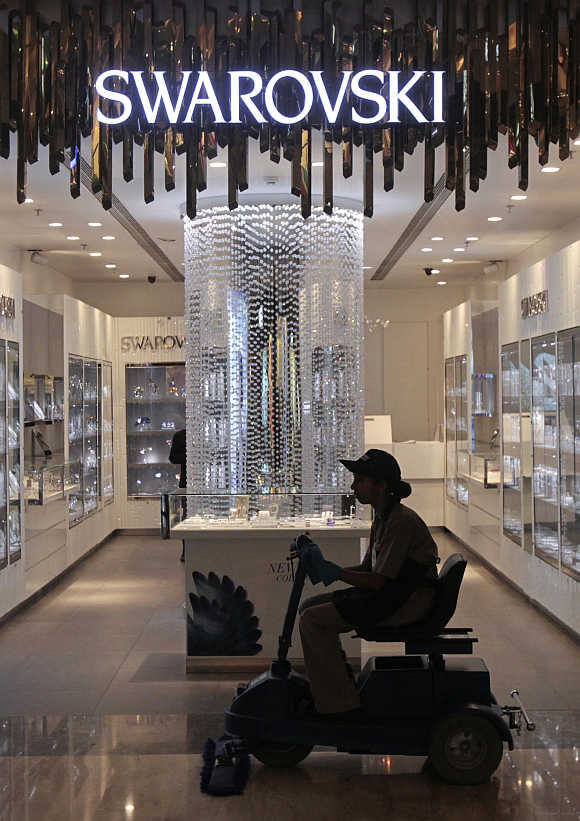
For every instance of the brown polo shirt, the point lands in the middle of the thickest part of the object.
(396, 536)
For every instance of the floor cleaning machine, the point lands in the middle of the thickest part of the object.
(434, 700)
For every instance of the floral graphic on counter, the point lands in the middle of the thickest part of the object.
(223, 622)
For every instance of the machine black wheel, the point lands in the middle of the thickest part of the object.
(276, 754)
(465, 748)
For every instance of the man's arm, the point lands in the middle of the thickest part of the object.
(362, 578)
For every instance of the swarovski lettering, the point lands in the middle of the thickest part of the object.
(365, 97)
(534, 305)
(148, 343)
(7, 307)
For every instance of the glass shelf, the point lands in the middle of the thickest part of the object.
(155, 406)
(545, 449)
(84, 438)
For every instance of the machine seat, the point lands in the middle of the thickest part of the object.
(444, 604)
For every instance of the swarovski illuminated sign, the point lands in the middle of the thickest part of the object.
(364, 97)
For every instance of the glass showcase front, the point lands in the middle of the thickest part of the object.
(512, 449)
(84, 438)
(155, 401)
(10, 438)
(457, 461)
(107, 484)
(569, 424)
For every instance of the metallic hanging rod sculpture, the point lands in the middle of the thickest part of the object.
(502, 66)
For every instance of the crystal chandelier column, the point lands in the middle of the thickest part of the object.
(274, 321)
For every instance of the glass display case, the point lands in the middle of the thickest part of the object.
(43, 398)
(44, 483)
(457, 457)
(512, 449)
(13, 450)
(84, 438)
(155, 402)
(568, 372)
(485, 470)
(545, 449)
(182, 510)
(107, 483)
(483, 394)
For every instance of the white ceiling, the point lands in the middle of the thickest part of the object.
(552, 202)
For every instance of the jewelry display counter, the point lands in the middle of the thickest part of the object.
(237, 572)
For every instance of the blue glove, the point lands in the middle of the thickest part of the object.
(328, 571)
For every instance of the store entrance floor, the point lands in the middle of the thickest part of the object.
(101, 722)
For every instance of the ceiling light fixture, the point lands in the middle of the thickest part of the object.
(550, 169)
(55, 224)
(494, 219)
(217, 164)
(95, 224)
(95, 254)
(426, 250)
(317, 164)
(73, 237)
(441, 282)
(28, 201)
(109, 236)
(368, 267)
(110, 265)
(519, 197)
(436, 239)
(447, 259)
(435, 270)
(459, 250)
(576, 142)
(471, 239)
(38, 258)
(123, 276)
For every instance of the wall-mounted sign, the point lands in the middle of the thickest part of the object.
(7, 307)
(151, 343)
(535, 304)
(287, 97)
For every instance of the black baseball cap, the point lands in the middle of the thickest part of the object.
(380, 465)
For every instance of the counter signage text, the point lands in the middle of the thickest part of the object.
(151, 343)
(379, 96)
(535, 304)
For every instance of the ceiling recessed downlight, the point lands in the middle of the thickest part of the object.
(368, 267)
(73, 237)
(459, 250)
(217, 164)
(109, 236)
(426, 250)
(55, 224)
(317, 164)
(519, 197)
(441, 282)
(123, 276)
(494, 219)
(550, 169)
(110, 265)
(28, 201)
(447, 259)
(576, 142)
(471, 239)
(95, 224)
(436, 239)
(95, 254)
(435, 271)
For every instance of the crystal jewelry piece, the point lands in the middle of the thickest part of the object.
(143, 420)
(138, 392)
(168, 425)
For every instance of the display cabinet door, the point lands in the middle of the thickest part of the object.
(526, 444)
(450, 431)
(463, 460)
(91, 441)
(3, 460)
(511, 443)
(569, 425)
(107, 484)
(155, 402)
(545, 449)
(75, 432)
(13, 450)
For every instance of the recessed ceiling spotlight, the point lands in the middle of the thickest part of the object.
(28, 201)
(110, 265)
(368, 267)
(519, 197)
(471, 239)
(426, 250)
(550, 169)
(55, 224)
(494, 219)
(73, 237)
(576, 142)
(95, 254)
(123, 276)
(441, 282)
(109, 236)
(459, 250)
(447, 259)
(217, 164)
(317, 164)
(95, 224)
(435, 271)
(436, 239)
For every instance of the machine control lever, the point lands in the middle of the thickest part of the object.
(515, 713)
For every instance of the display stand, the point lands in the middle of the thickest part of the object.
(254, 558)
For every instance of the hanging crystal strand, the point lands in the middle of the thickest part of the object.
(562, 30)
(399, 128)
(430, 37)
(30, 90)
(513, 39)
(476, 112)
(524, 99)
(368, 174)
(347, 65)
(460, 119)
(106, 142)
(191, 157)
(450, 127)
(543, 103)
(4, 96)
(503, 73)
(233, 170)
(306, 172)
(73, 78)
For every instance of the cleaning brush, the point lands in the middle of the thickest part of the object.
(226, 766)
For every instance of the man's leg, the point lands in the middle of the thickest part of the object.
(332, 683)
